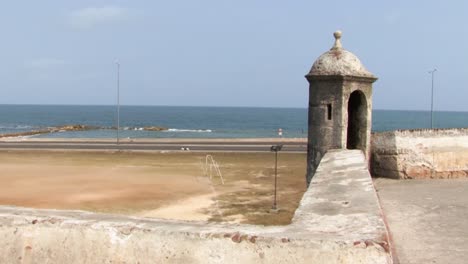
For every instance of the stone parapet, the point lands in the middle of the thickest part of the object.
(420, 153)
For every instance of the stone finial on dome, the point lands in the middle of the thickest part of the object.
(337, 34)
(339, 62)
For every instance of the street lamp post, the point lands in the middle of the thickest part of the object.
(276, 148)
(432, 97)
(118, 100)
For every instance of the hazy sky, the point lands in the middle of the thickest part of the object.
(227, 52)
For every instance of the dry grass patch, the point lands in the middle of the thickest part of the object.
(168, 185)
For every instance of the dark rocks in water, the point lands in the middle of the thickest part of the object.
(155, 128)
(75, 127)
(50, 130)
(27, 133)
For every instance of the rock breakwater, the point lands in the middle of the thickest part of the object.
(75, 127)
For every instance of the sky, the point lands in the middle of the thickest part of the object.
(228, 52)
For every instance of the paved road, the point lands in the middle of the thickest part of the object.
(427, 219)
(257, 146)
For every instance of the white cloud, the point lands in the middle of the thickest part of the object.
(90, 17)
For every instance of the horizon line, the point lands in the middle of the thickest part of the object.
(217, 106)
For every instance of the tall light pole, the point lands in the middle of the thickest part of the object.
(118, 100)
(275, 148)
(432, 97)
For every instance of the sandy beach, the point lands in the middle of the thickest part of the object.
(170, 185)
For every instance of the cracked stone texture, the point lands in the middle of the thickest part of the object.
(420, 154)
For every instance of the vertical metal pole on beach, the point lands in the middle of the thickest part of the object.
(276, 177)
(118, 100)
(432, 97)
(276, 148)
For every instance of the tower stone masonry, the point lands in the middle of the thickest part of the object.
(340, 105)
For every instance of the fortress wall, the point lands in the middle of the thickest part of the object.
(339, 220)
(420, 154)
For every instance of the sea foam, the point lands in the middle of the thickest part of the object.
(189, 130)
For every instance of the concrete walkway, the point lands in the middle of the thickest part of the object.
(427, 218)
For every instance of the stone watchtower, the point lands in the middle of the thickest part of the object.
(340, 105)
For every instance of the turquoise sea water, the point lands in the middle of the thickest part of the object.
(197, 122)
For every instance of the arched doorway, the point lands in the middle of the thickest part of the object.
(357, 121)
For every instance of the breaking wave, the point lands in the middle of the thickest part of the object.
(16, 127)
(189, 130)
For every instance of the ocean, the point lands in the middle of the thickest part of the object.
(196, 122)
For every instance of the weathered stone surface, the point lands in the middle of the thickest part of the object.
(338, 221)
(420, 154)
(336, 78)
(338, 61)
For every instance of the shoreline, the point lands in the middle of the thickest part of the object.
(153, 140)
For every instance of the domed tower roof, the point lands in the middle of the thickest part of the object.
(339, 62)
